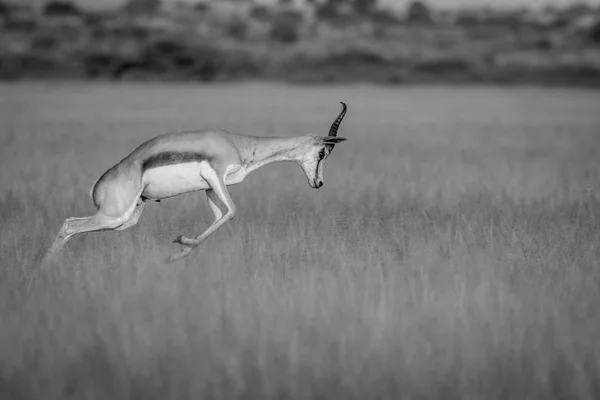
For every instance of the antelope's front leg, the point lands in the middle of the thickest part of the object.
(213, 202)
(218, 193)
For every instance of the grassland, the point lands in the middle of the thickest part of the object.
(452, 253)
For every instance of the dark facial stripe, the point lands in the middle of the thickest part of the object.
(172, 158)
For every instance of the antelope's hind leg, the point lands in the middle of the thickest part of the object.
(115, 211)
(135, 217)
(75, 226)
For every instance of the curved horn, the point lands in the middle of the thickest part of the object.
(336, 124)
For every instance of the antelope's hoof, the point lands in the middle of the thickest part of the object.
(179, 239)
(184, 241)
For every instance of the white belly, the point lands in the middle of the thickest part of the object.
(172, 180)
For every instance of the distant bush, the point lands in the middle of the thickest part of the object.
(31, 65)
(575, 75)
(284, 33)
(240, 63)
(94, 20)
(261, 12)
(335, 9)
(358, 55)
(202, 7)
(595, 33)
(171, 59)
(237, 29)
(418, 12)
(143, 6)
(8, 68)
(327, 10)
(467, 20)
(482, 32)
(443, 67)
(543, 44)
(286, 27)
(4, 9)
(384, 17)
(45, 43)
(122, 33)
(572, 74)
(343, 62)
(61, 8)
(365, 7)
(103, 65)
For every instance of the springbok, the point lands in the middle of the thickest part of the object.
(175, 163)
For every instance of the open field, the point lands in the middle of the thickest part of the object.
(453, 252)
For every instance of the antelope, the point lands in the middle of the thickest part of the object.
(175, 163)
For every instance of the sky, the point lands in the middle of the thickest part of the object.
(400, 3)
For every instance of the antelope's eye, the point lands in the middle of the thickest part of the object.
(322, 154)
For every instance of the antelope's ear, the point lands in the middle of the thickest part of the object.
(333, 139)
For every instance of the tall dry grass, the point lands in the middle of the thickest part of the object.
(452, 253)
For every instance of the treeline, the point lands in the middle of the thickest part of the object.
(312, 41)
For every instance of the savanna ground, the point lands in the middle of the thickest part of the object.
(452, 253)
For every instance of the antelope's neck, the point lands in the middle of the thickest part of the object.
(262, 151)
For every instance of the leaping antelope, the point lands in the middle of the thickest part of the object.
(175, 163)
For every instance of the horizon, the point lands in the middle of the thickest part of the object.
(395, 3)
(492, 3)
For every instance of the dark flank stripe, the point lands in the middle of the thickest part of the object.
(171, 158)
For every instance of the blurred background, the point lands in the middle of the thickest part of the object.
(383, 41)
(451, 254)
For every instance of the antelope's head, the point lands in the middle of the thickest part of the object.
(319, 149)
